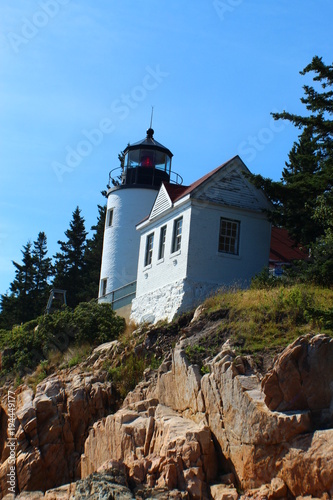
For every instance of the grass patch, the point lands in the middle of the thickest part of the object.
(261, 319)
(126, 376)
(79, 354)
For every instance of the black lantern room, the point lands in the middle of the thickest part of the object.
(147, 162)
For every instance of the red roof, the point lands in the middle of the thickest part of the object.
(283, 248)
(176, 191)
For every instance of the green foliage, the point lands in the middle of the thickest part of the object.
(155, 362)
(76, 270)
(321, 318)
(309, 172)
(264, 280)
(198, 352)
(192, 351)
(58, 328)
(97, 323)
(29, 289)
(23, 348)
(26, 345)
(69, 262)
(128, 374)
(93, 257)
(43, 270)
(75, 360)
(271, 318)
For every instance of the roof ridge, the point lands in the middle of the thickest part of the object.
(203, 179)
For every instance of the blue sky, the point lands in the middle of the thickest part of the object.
(78, 79)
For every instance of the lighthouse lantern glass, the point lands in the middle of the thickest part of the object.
(147, 158)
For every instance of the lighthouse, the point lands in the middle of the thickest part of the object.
(146, 165)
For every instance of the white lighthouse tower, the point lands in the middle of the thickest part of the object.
(147, 164)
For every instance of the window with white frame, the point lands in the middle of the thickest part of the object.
(104, 284)
(229, 236)
(177, 234)
(149, 249)
(109, 217)
(161, 248)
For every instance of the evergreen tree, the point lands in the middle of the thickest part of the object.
(43, 271)
(8, 311)
(309, 172)
(70, 264)
(93, 255)
(16, 307)
(29, 289)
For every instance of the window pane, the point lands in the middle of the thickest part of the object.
(177, 234)
(149, 249)
(109, 218)
(229, 236)
(104, 287)
(162, 242)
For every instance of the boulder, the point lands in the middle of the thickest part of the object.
(223, 492)
(51, 428)
(256, 443)
(302, 379)
(158, 446)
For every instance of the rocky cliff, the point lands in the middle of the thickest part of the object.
(186, 431)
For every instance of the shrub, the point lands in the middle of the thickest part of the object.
(264, 279)
(97, 323)
(25, 346)
(58, 328)
(127, 375)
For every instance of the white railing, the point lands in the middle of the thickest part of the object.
(121, 296)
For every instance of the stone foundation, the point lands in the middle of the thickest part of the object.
(166, 302)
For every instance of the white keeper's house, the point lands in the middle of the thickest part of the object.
(168, 246)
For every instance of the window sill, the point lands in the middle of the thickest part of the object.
(147, 267)
(228, 255)
(160, 261)
(174, 254)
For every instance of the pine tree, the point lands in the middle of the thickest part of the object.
(93, 255)
(309, 172)
(43, 272)
(70, 263)
(8, 316)
(16, 307)
(29, 290)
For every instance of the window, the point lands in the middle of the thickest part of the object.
(229, 236)
(149, 249)
(177, 234)
(109, 217)
(104, 284)
(162, 242)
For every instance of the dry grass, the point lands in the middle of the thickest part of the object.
(272, 318)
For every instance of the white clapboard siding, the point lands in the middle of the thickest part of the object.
(161, 204)
(233, 190)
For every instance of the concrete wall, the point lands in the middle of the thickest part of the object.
(121, 240)
(165, 302)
